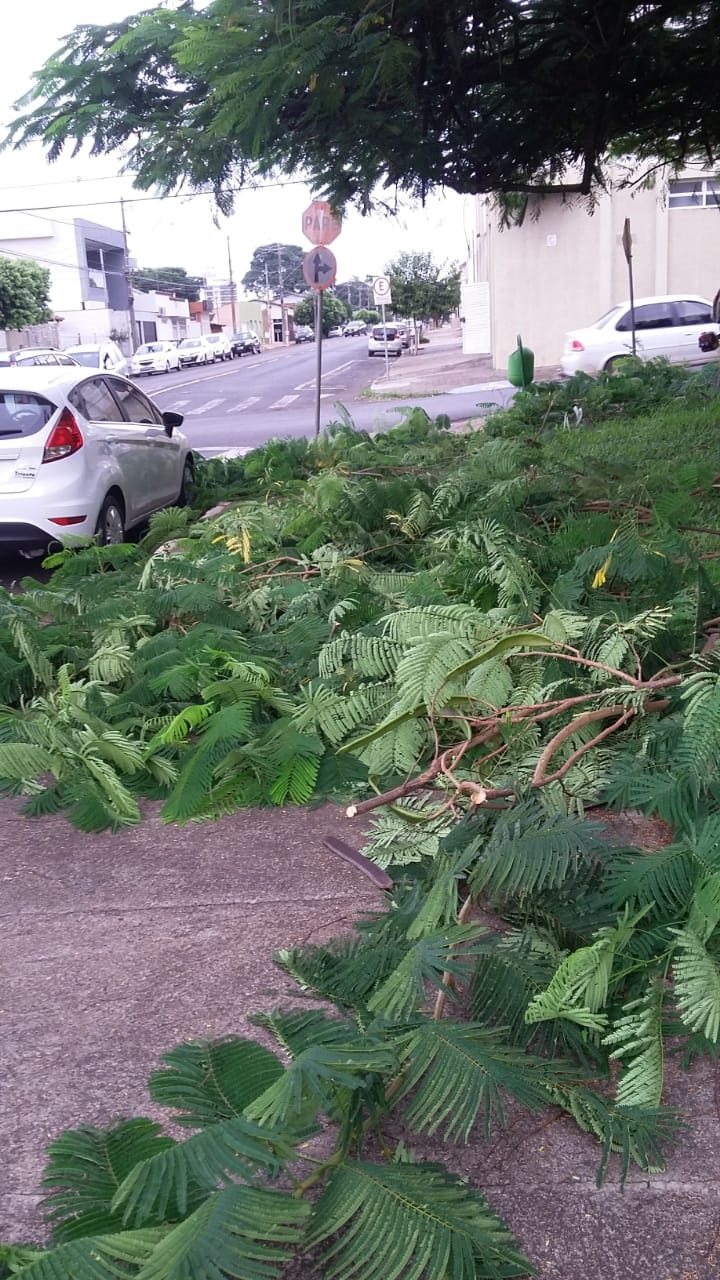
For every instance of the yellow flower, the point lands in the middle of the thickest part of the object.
(601, 576)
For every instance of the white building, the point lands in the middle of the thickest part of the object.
(564, 266)
(90, 290)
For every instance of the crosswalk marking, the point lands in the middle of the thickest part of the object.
(244, 404)
(206, 407)
(283, 402)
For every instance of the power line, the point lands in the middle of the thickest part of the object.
(175, 195)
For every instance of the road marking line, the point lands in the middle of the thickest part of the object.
(244, 404)
(211, 372)
(203, 408)
(283, 402)
(179, 404)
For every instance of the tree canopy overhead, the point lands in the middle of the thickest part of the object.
(474, 95)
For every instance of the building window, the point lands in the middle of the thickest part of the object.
(96, 267)
(694, 193)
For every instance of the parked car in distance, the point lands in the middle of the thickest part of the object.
(221, 346)
(354, 329)
(99, 355)
(667, 326)
(83, 454)
(304, 333)
(385, 337)
(407, 334)
(246, 342)
(154, 357)
(335, 332)
(195, 351)
(35, 355)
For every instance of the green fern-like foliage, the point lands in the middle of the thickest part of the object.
(408, 1221)
(499, 640)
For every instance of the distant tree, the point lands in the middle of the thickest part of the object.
(419, 287)
(357, 293)
(335, 311)
(168, 280)
(275, 269)
(24, 289)
(368, 315)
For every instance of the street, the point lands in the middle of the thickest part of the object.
(241, 405)
(230, 408)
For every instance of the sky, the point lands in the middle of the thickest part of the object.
(188, 231)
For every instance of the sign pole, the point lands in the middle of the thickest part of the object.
(627, 247)
(318, 355)
(387, 357)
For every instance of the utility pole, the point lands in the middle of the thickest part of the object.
(232, 288)
(281, 287)
(271, 326)
(128, 281)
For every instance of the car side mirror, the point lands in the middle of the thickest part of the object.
(171, 420)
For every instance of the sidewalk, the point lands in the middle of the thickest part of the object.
(116, 947)
(441, 365)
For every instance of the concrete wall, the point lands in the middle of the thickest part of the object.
(565, 266)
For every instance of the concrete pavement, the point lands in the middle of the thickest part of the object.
(116, 947)
(441, 365)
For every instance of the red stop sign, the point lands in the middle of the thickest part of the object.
(319, 223)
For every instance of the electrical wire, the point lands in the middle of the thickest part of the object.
(173, 195)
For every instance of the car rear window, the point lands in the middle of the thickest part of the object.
(89, 358)
(379, 333)
(22, 414)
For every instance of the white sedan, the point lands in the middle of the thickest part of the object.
(83, 455)
(155, 357)
(667, 326)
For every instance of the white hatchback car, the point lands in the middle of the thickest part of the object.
(221, 346)
(100, 355)
(83, 455)
(154, 357)
(667, 326)
(385, 337)
(195, 351)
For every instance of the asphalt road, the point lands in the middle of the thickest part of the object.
(239, 405)
(235, 406)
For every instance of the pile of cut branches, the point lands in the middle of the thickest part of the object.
(493, 640)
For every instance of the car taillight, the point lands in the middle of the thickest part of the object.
(576, 345)
(65, 438)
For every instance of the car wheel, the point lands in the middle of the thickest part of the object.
(187, 484)
(615, 365)
(110, 527)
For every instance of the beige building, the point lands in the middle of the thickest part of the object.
(564, 266)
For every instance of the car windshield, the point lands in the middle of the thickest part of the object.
(22, 414)
(148, 349)
(189, 342)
